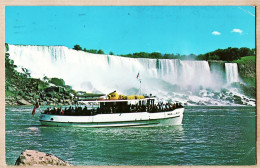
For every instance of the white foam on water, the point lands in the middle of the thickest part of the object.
(33, 129)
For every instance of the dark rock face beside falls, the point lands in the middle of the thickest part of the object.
(247, 70)
(36, 158)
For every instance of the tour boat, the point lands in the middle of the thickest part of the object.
(118, 111)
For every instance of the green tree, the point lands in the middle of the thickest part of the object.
(6, 47)
(77, 47)
(85, 49)
(169, 56)
(252, 52)
(141, 55)
(200, 57)
(45, 78)
(111, 53)
(191, 57)
(127, 55)
(100, 52)
(177, 56)
(213, 57)
(92, 51)
(156, 55)
(228, 54)
(244, 51)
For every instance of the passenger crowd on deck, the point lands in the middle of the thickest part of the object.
(79, 111)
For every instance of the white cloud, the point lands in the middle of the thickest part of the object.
(237, 31)
(216, 33)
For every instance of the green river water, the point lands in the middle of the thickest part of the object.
(209, 136)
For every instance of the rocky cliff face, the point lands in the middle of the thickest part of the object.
(21, 89)
(247, 70)
(36, 158)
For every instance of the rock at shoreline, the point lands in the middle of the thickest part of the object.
(23, 102)
(36, 158)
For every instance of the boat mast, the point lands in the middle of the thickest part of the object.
(140, 89)
(140, 80)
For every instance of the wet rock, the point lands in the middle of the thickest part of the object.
(247, 69)
(237, 99)
(57, 81)
(27, 98)
(36, 158)
(23, 102)
(10, 88)
(230, 99)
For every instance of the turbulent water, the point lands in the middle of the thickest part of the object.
(208, 136)
(190, 82)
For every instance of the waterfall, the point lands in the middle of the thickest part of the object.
(168, 70)
(99, 73)
(217, 70)
(231, 72)
(90, 72)
(196, 73)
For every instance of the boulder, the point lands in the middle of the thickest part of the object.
(57, 81)
(23, 102)
(36, 158)
(10, 88)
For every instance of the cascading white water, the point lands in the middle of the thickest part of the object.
(92, 72)
(196, 73)
(105, 73)
(231, 72)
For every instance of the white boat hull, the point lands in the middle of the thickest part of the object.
(116, 119)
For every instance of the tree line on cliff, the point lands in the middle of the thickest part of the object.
(228, 54)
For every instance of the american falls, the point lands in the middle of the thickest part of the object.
(189, 82)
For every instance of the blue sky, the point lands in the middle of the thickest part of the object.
(123, 30)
